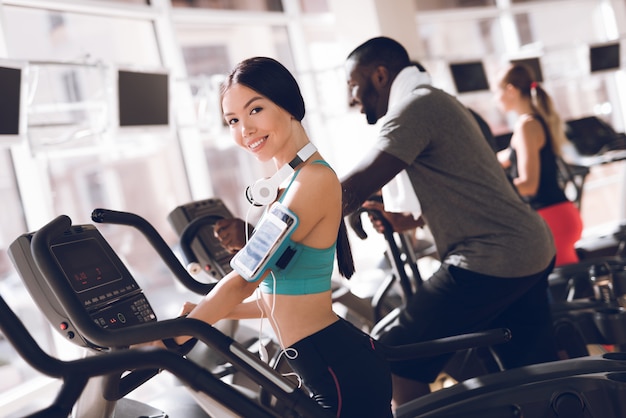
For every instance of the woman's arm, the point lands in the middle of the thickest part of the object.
(224, 299)
(528, 138)
(229, 292)
(248, 310)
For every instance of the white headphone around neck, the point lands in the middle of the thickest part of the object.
(264, 191)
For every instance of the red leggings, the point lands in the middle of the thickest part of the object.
(567, 226)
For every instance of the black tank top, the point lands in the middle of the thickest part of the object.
(550, 191)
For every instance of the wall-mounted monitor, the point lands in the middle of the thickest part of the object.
(143, 99)
(604, 57)
(12, 118)
(533, 64)
(469, 76)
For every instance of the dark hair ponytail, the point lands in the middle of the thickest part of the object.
(345, 262)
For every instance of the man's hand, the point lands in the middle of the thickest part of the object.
(399, 221)
(231, 233)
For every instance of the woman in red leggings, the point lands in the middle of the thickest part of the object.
(531, 158)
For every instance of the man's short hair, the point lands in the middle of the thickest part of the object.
(381, 51)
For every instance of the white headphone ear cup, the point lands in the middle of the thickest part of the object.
(263, 192)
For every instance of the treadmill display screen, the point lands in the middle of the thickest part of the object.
(85, 264)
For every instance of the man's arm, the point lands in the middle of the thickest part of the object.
(232, 233)
(375, 170)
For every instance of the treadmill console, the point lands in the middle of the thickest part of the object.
(214, 259)
(105, 288)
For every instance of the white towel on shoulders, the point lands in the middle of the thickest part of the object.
(398, 194)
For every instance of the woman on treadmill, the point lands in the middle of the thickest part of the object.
(531, 158)
(338, 364)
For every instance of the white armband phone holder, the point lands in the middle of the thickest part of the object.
(270, 245)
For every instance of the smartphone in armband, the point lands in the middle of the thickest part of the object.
(268, 243)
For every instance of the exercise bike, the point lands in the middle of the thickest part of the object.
(588, 298)
(600, 319)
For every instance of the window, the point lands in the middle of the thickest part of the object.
(79, 160)
(81, 38)
(12, 223)
(314, 6)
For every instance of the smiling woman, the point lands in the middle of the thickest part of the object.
(264, 108)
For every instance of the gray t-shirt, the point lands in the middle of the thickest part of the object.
(477, 219)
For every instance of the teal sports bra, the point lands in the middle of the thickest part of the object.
(309, 271)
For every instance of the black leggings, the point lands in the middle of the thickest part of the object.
(344, 373)
(455, 301)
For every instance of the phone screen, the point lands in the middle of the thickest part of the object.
(266, 240)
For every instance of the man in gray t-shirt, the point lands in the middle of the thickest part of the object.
(496, 251)
(476, 217)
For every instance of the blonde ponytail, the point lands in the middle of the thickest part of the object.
(543, 105)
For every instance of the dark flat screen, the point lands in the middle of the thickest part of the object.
(469, 76)
(143, 98)
(604, 57)
(10, 86)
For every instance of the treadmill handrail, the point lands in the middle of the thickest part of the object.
(158, 243)
(446, 345)
(76, 373)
